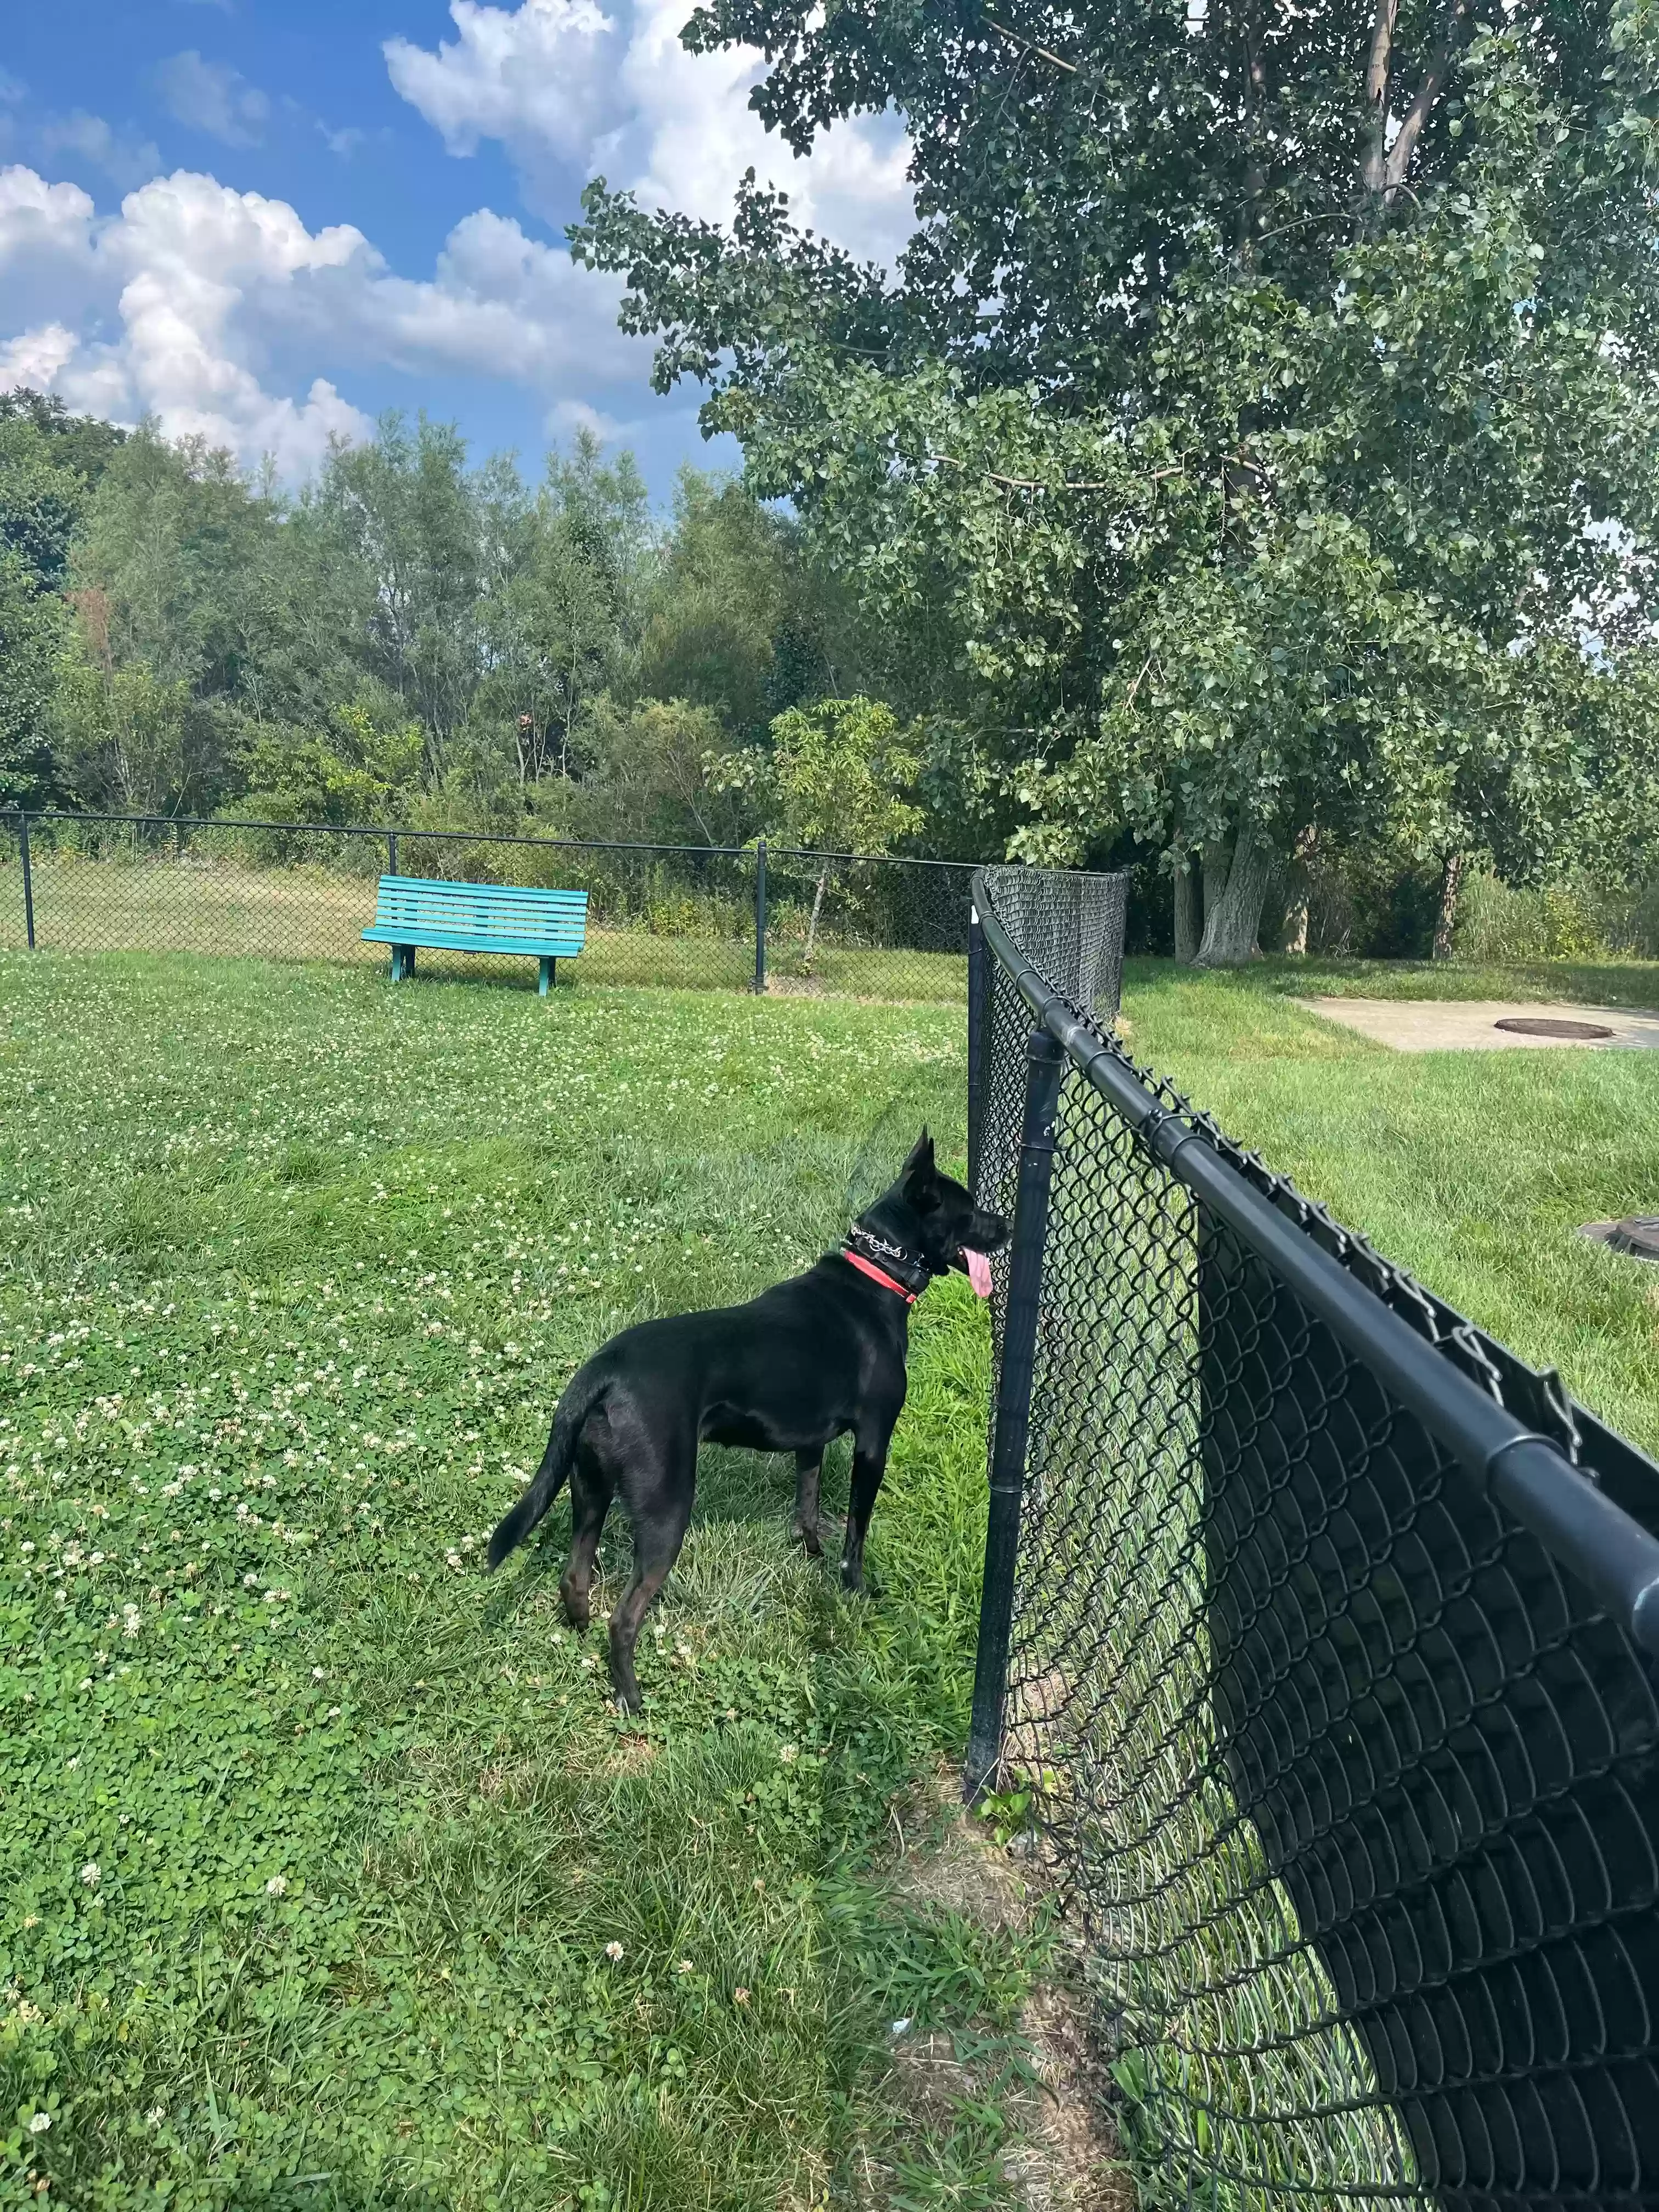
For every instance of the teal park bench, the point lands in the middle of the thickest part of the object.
(413, 910)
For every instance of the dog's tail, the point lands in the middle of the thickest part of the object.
(582, 1392)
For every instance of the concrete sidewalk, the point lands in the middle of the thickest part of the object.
(1467, 1024)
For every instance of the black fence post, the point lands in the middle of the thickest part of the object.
(391, 852)
(979, 993)
(29, 881)
(760, 913)
(1045, 1065)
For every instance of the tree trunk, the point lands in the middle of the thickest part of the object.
(1217, 861)
(1295, 913)
(1188, 922)
(812, 926)
(1231, 924)
(1451, 882)
(1295, 925)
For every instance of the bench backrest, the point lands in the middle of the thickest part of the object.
(424, 902)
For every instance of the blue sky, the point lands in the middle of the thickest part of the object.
(265, 220)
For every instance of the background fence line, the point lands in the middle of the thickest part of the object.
(767, 917)
(1331, 1665)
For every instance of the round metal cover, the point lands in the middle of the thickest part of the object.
(1637, 1235)
(1544, 1026)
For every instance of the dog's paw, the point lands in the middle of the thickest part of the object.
(813, 1534)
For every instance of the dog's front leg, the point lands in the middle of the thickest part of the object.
(808, 1529)
(868, 1469)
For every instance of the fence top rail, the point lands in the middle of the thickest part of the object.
(1578, 1524)
(380, 830)
(383, 829)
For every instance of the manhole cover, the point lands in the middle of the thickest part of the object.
(1543, 1025)
(1637, 1234)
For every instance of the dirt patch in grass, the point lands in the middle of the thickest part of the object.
(1071, 2161)
(1064, 2154)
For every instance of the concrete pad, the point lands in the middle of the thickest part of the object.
(1469, 1025)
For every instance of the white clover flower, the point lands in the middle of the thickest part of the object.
(39, 2122)
(91, 1874)
(276, 1886)
(613, 1951)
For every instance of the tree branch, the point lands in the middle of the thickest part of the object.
(1373, 166)
(1040, 484)
(1433, 84)
(1058, 60)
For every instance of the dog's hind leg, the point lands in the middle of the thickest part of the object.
(807, 1530)
(657, 1539)
(591, 1487)
(657, 1480)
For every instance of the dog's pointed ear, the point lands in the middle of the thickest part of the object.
(919, 1172)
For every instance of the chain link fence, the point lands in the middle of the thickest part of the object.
(1322, 1632)
(697, 918)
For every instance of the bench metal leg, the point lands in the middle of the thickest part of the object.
(402, 962)
(549, 967)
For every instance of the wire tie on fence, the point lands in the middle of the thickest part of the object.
(1152, 1126)
(1489, 1465)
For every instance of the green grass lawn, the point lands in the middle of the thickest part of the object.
(327, 1875)
(1473, 1170)
(224, 907)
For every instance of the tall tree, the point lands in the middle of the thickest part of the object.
(563, 619)
(408, 511)
(42, 496)
(1258, 384)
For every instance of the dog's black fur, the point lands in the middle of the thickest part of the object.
(807, 1361)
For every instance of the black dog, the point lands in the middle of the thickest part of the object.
(805, 1362)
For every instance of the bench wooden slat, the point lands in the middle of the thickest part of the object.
(441, 887)
(458, 917)
(445, 940)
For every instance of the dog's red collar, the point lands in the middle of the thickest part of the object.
(878, 1275)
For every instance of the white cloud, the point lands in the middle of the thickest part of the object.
(530, 78)
(125, 162)
(39, 219)
(205, 292)
(561, 85)
(36, 357)
(211, 96)
(570, 415)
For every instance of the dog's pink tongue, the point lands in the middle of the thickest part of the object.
(979, 1272)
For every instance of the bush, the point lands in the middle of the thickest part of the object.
(1559, 922)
